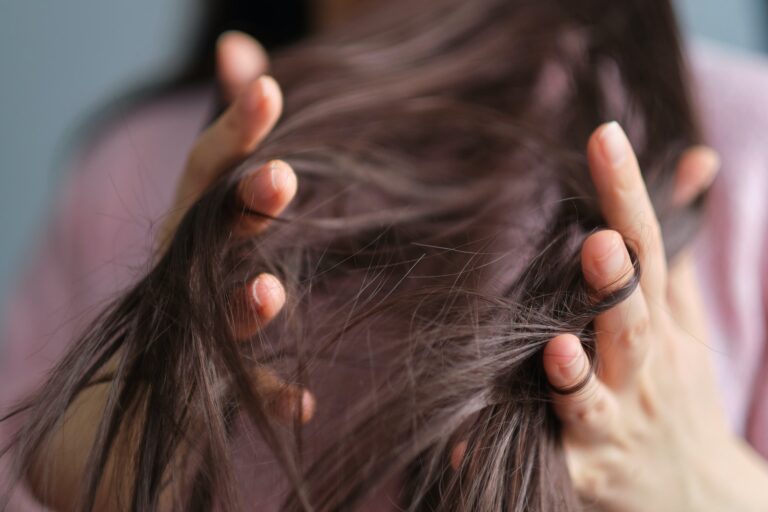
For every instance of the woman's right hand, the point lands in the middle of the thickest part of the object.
(255, 105)
(55, 474)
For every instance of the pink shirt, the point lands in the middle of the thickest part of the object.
(103, 225)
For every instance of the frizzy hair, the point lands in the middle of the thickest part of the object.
(431, 252)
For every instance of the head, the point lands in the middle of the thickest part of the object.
(275, 23)
(431, 252)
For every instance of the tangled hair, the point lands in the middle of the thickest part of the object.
(431, 252)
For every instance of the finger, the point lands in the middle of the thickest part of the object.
(268, 191)
(625, 203)
(261, 301)
(240, 59)
(587, 413)
(457, 454)
(235, 134)
(257, 304)
(590, 479)
(696, 170)
(623, 337)
(287, 402)
(685, 302)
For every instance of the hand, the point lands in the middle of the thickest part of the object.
(55, 473)
(256, 106)
(647, 432)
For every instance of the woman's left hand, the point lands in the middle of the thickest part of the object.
(647, 431)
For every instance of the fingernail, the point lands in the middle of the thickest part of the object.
(308, 405)
(614, 144)
(253, 96)
(268, 288)
(611, 262)
(265, 287)
(268, 181)
(269, 87)
(272, 284)
(255, 291)
(277, 175)
(574, 368)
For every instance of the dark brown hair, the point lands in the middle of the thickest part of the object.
(431, 252)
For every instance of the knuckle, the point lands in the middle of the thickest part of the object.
(651, 228)
(625, 186)
(633, 437)
(633, 336)
(650, 236)
(588, 419)
(591, 485)
(592, 416)
(267, 382)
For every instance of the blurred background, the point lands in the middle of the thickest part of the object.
(61, 62)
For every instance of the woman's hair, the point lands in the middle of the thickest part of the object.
(431, 252)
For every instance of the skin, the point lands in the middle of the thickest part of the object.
(643, 434)
(647, 432)
(56, 473)
(256, 105)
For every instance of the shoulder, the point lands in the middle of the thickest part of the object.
(731, 92)
(731, 88)
(147, 141)
(100, 231)
(124, 174)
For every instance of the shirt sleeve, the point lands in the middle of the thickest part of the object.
(98, 242)
(731, 250)
(42, 316)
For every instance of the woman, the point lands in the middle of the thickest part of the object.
(591, 414)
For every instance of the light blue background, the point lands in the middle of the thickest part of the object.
(61, 60)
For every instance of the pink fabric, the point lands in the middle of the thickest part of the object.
(98, 242)
(103, 226)
(732, 249)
